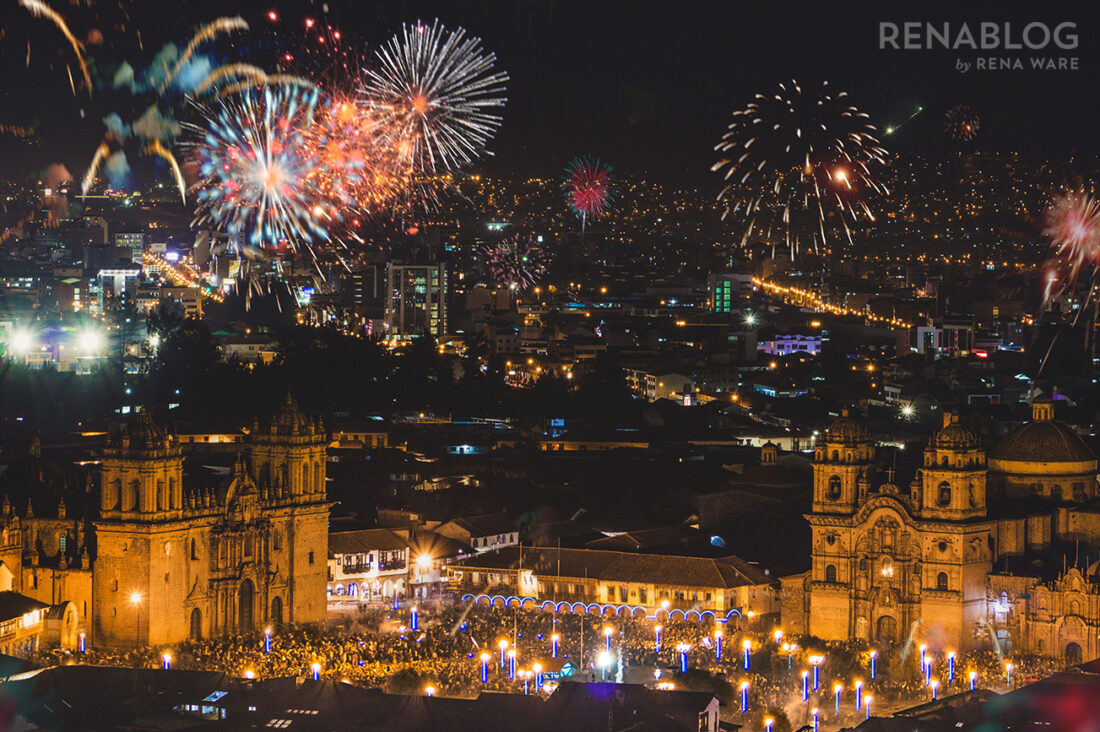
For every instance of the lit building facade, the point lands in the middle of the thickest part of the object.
(933, 561)
(416, 299)
(174, 563)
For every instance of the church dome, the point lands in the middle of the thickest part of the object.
(845, 429)
(290, 420)
(1043, 440)
(955, 437)
(142, 433)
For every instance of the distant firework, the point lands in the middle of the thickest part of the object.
(257, 166)
(798, 166)
(589, 187)
(1072, 223)
(517, 262)
(435, 95)
(962, 122)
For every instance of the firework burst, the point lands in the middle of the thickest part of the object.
(589, 188)
(962, 122)
(433, 93)
(797, 165)
(516, 262)
(257, 167)
(1072, 224)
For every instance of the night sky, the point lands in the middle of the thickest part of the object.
(647, 86)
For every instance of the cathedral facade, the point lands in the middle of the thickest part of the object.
(160, 560)
(966, 556)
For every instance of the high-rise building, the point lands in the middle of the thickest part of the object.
(416, 299)
(726, 289)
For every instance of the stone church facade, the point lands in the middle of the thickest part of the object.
(165, 561)
(949, 560)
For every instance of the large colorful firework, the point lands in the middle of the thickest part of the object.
(356, 169)
(434, 94)
(798, 166)
(257, 167)
(589, 188)
(516, 262)
(962, 122)
(1072, 224)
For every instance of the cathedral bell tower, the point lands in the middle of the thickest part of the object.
(841, 460)
(953, 477)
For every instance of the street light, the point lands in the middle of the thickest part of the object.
(429, 690)
(607, 631)
(718, 645)
(21, 342)
(744, 696)
(746, 646)
(934, 684)
(316, 668)
(503, 646)
(867, 704)
(485, 668)
(657, 634)
(973, 675)
(166, 661)
(603, 660)
(837, 689)
(554, 645)
(135, 601)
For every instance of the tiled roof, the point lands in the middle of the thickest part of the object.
(614, 566)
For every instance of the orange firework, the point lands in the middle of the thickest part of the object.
(359, 170)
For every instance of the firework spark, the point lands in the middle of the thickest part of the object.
(517, 262)
(798, 165)
(204, 34)
(157, 148)
(436, 90)
(962, 122)
(101, 154)
(589, 188)
(1072, 224)
(41, 10)
(256, 165)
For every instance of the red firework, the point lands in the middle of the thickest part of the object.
(1072, 223)
(589, 187)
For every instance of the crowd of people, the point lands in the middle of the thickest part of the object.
(381, 648)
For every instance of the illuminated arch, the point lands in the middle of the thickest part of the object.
(503, 601)
(467, 597)
(672, 614)
(706, 613)
(689, 613)
(547, 605)
(577, 607)
(594, 606)
(637, 609)
(529, 602)
(731, 613)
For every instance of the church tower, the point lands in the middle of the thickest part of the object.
(140, 565)
(952, 480)
(841, 461)
(288, 460)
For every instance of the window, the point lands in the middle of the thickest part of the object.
(834, 488)
(830, 573)
(311, 556)
(194, 550)
(941, 582)
(62, 542)
(943, 497)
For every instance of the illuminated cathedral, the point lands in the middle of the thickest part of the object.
(161, 561)
(967, 556)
